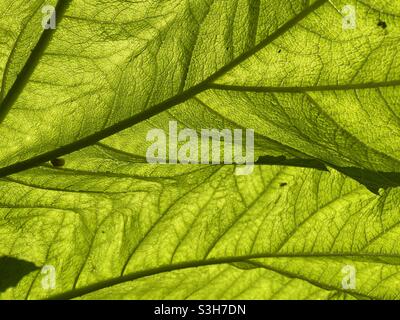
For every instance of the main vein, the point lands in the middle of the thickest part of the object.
(165, 105)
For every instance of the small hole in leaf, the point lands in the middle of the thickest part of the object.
(283, 184)
(382, 24)
(58, 162)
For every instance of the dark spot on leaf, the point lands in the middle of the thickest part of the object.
(382, 24)
(283, 184)
(12, 270)
(58, 162)
(280, 50)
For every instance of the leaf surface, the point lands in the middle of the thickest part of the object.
(323, 101)
(310, 87)
(113, 229)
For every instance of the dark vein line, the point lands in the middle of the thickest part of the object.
(344, 87)
(96, 174)
(315, 283)
(254, 15)
(47, 188)
(113, 152)
(30, 65)
(76, 293)
(12, 52)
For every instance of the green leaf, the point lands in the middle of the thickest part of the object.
(113, 229)
(323, 101)
(145, 37)
(304, 84)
